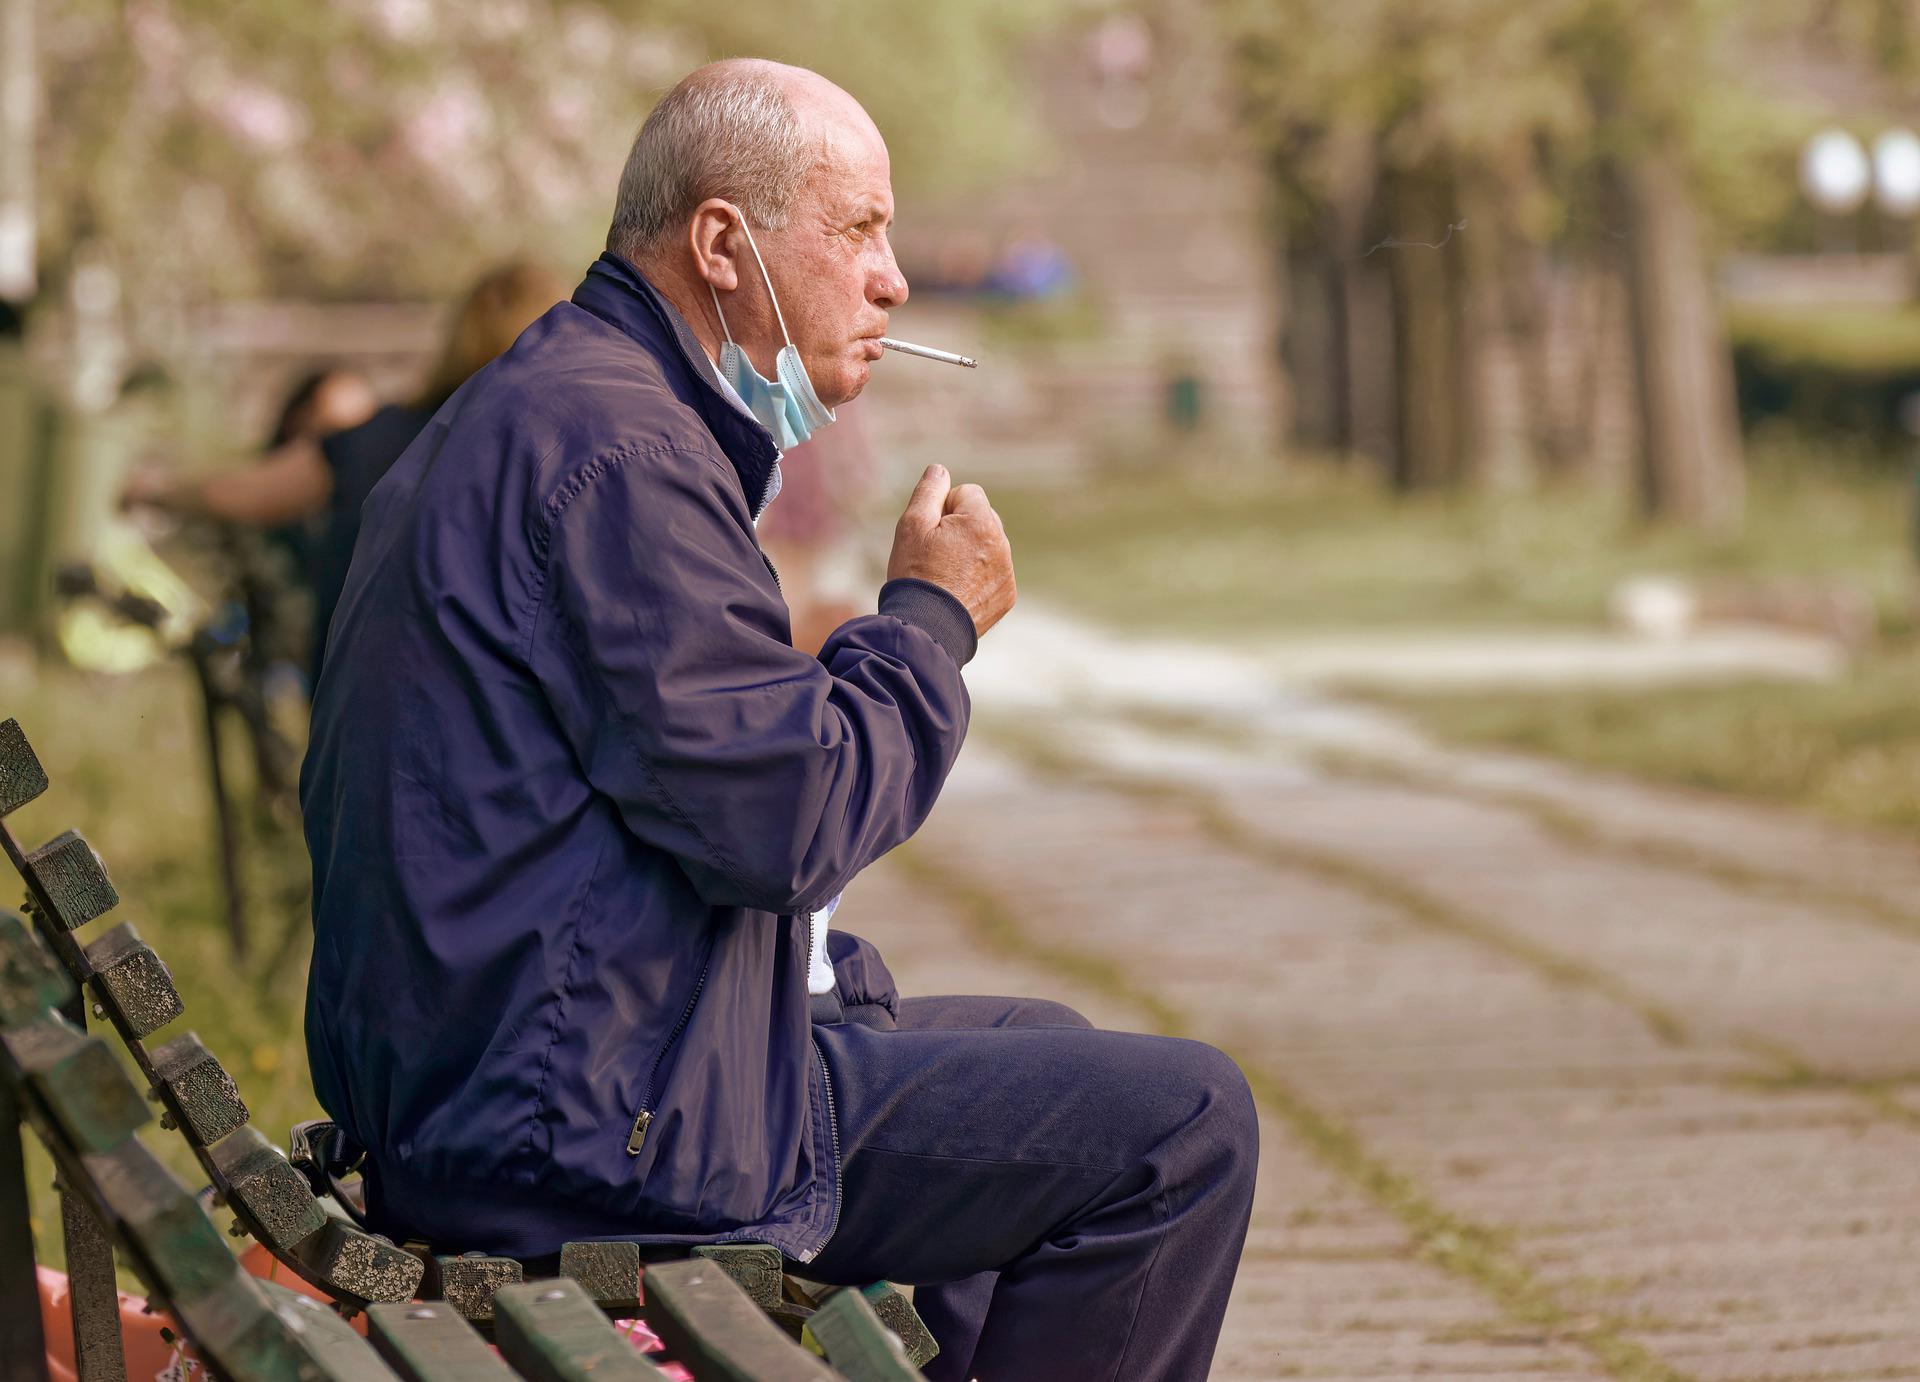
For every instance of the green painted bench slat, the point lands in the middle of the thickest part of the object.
(235, 1328)
(276, 1198)
(858, 1345)
(137, 983)
(30, 981)
(551, 1331)
(896, 1312)
(716, 1331)
(428, 1341)
(83, 1086)
(21, 776)
(205, 1091)
(74, 877)
(334, 1349)
(164, 1218)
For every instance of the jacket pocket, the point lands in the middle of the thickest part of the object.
(643, 1116)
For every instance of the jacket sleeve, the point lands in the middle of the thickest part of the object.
(662, 644)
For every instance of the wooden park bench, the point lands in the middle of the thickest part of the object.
(723, 1312)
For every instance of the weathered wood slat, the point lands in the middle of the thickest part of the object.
(755, 1268)
(74, 878)
(551, 1331)
(137, 983)
(21, 776)
(207, 1095)
(428, 1341)
(715, 1329)
(609, 1272)
(274, 1195)
(467, 1283)
(858, 1345)
(896, 1312)
(355, 1264)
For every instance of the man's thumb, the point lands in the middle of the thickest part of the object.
(929, 498)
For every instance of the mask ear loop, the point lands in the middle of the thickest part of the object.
(765, 278)
(779, 316)
(717, 312)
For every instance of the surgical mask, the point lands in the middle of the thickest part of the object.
(786, 406)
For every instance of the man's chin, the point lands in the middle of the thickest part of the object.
(848, 387)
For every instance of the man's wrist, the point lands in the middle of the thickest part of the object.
(934, 609)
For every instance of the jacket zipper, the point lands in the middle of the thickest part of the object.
(641, 1120)
(833, 1129)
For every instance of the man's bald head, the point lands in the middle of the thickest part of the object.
(745, 130)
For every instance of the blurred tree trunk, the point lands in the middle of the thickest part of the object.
(1432, 345)
(1504, 349)
(1690, 457)
(1444, 317)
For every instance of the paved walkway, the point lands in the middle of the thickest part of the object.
(1562, 1077)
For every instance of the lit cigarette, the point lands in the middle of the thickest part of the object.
(929, 353)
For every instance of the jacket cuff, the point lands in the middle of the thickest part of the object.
(939, 612)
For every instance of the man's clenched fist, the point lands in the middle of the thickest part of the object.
(953, 538)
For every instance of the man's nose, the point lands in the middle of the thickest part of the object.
(888, 287)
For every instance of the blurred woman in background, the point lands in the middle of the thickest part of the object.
(326, 478)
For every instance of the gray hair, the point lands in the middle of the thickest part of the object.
(725, 131)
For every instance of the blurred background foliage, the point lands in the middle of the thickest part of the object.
(368, 148)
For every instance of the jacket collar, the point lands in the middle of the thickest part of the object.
(617, 293)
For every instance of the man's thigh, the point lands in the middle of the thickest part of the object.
(964, 1148)
(961, 1012)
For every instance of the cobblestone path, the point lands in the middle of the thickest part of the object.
(1561, 1077)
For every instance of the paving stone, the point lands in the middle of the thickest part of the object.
(1735, 1229)
(1321, 1260)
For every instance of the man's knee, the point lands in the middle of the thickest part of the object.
(1225, 1121)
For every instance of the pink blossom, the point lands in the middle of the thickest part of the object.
(259, 116)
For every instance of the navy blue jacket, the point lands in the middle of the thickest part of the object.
(571, 791)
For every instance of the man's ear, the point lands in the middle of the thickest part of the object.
(713, 235)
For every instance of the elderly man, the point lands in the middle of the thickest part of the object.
(578, 811)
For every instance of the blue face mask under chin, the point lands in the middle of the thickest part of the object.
(787, 406)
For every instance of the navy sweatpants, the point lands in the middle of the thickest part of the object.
(1068, 1203)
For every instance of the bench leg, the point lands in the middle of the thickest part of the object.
(23, 1348)
(93, 1287)
(94, 1292)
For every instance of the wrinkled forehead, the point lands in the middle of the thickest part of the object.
(853, 172)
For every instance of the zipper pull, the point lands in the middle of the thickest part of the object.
(639, 1134)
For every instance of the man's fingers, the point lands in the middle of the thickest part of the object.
(967, 498)
(929, 498)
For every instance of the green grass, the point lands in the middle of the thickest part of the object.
(1255, 556)
(1246, 552)
(1849, 750)
(1856, 340)
(125, 761)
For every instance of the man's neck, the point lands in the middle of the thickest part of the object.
(687, 293)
